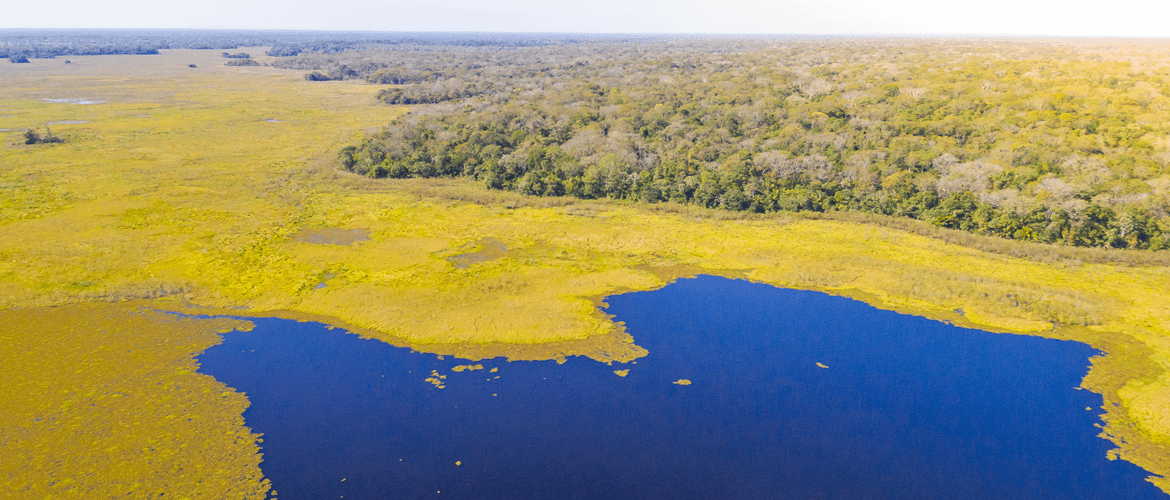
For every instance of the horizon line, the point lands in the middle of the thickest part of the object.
(600, 34)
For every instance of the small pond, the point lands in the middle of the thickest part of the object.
(793, 394)
(73, 101)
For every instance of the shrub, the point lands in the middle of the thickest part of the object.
(317, 76)
(32, 137)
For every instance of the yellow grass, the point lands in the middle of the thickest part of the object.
(104, 401)
(178, 189)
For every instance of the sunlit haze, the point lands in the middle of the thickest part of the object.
(1127, 18)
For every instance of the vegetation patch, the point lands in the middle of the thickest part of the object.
(33, 137)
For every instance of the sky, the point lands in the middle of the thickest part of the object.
(1128, 18)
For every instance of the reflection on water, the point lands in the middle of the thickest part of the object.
(791, 394)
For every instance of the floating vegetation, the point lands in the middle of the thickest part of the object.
(460, 368)
(436, 380)
(682, 381)
(622, 373)
(821, 365)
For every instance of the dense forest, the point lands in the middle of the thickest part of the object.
(1060, 141)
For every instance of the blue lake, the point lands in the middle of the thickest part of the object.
(905, 407)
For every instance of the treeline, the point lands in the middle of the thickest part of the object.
(370, 73)
(431, 94)
(239, 59)
(425, 57)
(50, 43)
(1036, 141)
(25, 52)
(426, 41)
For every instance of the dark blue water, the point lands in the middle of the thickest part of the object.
(906, 408)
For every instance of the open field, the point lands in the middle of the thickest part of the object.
(185, 190)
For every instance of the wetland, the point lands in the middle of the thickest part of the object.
(173, 192)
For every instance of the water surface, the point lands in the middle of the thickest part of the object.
(794, 394)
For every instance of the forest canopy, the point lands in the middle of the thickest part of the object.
(1039, 140)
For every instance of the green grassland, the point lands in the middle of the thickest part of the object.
(186, 189)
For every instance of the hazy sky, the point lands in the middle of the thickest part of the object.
(1069, 17)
